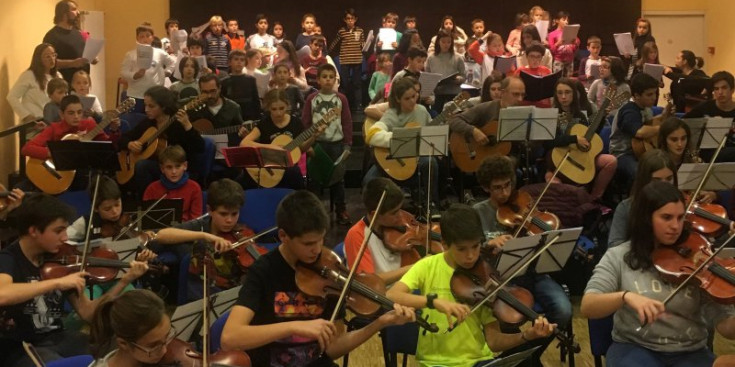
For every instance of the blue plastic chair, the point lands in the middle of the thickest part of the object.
(76, 361)
(340, 251)
(183, 292)
(600, 337)
(399, 339)
(215, 332)
(79, 200)
(605, 136)
(202, 163)
(259, 211)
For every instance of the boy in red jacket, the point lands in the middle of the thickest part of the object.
(175, 183)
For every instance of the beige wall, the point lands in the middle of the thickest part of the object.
(718, 31)
(22, 35)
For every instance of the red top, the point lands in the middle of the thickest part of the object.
(38, 146)
(191, 193)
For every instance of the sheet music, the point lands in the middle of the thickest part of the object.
(92, 48)
(513, 124)
(188, 316)
(404, 142)
(717, 129)
(220, 142)
(428, 83)
(144, 57)
(202, 61)
(178, 40)
(368, 41)
(569, 34)
(721, 177)
(505, 64)
(624, 41)
(438, 136)
(543, 29)
(595, 71)
(387, 36)
(87, 102)
(261, 81)
(654, 70)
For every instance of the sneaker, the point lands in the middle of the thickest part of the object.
(343, 218)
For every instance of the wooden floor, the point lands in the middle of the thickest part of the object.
(370, 354)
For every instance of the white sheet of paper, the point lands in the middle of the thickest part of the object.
(261, 81)
(178, 40)
(595, 71)
(569, 34)
(202, 61)
(624, 41)
(387, 36)
(144, 56)
(428, 83)
(87, 102)
(220, 141)
(92, 48)
(505, 64)
(543, 28)
(654, 70)
(368, 41)
(434, 140)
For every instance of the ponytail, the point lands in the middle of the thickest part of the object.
(128, 316)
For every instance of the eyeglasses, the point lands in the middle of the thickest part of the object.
(155, 351)
(501, 187)
(51, 56)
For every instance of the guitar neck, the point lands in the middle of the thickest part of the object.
(101, 126)
(597, 120)
(308, 133)
(230, 129)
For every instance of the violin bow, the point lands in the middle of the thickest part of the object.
(353, 268)
(254, 237)
(706, 174)
(205, 314)
(508, 279)
(694, 273)
(83, 266)
(538, 199)
(137, 220)
(33, 354)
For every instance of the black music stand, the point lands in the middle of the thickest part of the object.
(526, 124)
(517, 251)
(511, 360)
(257, 157)
(70, 155)
(188, 317)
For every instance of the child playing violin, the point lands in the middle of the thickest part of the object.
(475, 337)
(626, 283)
(273, 320)
(31, 308)
(135, 324)
(378, 258)
(218, 229)
(498, 178)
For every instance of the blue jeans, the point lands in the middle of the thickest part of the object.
(634, 355)
(422, 170)
(627, 166)
(351, 85)
(550, 296)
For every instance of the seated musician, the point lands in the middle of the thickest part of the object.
(214, 231)
(277, 121)
(626, 283)
(629, 123)
(72, 122)
(275, 322)
(497, 177)
(468, 122)
(132, 329)
(403, 109)
(160, 107)
(722, 105)
(222, 112)
(567, 100)
(475, 336)
(31, 308)
(175, 183)
(378, 258)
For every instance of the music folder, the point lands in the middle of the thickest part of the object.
(252, 157)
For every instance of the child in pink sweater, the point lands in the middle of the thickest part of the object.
(563, 53)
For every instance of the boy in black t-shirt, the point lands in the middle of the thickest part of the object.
(276, 323)
(31, 308)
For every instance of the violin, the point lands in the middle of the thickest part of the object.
(327, 275)
(102, 264)
(675, 263)
(709, 219)
(513, 212)
(245, 247)
(409, 238)
(513, 305)
(181, 353)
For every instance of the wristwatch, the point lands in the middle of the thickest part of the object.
(430, 300)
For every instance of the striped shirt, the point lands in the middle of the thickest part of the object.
(350, 51)
(218, 47)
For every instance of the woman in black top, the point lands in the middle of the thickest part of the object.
(686, 66)
(160, 108)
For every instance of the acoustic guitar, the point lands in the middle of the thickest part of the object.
(205, 127)
(270, 177)
(402, 169)
(640, 145)
(469, 154)
(42, 171)
(151, 144)
(580, 166)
